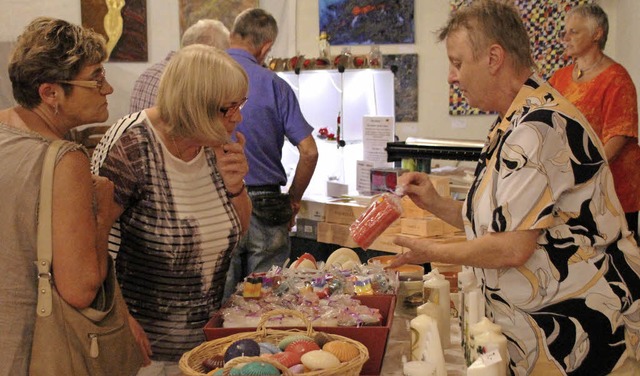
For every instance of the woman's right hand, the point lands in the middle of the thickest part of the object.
(419, 188)
(107, 209)
(141, 339)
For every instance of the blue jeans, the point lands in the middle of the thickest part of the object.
(261, 247)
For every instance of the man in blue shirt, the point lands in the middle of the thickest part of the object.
(270, 114)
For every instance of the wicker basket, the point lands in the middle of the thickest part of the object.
(191, 362)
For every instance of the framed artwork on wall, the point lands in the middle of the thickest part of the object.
(405, 85)
(352, 22)
(123, 24)
(223, 10)
(544, 21)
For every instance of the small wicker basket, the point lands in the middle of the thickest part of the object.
(191, 362)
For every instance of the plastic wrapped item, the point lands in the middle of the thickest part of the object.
(380, 214)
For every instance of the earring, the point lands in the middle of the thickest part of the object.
(55, 109)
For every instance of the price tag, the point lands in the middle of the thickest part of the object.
(491, 358)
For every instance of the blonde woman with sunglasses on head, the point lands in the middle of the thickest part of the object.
(178, 178)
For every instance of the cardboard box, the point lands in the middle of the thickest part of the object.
(411, 210)
(385, 243)
(343, 212)
(441, 184)
(311, 209)
(448, 229)
(374, 337)
(427, 227)
(306, 228)
(334, 233)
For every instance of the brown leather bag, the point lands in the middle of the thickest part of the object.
(67, 341)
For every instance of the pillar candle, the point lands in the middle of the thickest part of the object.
(436, 290)
(466, 280)
(432, 309)
(425, 342)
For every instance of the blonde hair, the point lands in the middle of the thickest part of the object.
(195, 84)
(492, 21)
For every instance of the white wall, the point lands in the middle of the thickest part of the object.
(434, 120)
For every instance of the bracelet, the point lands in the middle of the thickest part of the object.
(236, 194)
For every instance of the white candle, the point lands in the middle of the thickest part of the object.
(433, 310)
(436, 290)
(419, 368)
(425, 342)
(466, 280)
(472, 316)
(488, 342)
(485, 366)
(419, 329)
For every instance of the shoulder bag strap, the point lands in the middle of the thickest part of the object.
(44, 229)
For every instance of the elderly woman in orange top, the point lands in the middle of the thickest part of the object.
(603, 91)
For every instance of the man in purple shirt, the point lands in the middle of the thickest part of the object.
(270, 114)
(208, 31)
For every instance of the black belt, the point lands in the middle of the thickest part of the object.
(263, 188)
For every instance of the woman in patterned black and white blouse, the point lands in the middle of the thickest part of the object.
(178, 177)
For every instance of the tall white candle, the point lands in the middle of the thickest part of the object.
(436, 290)
(433, 310)
(425, 342)
(466, 280)
(472, 316)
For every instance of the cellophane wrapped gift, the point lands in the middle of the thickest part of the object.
(381, 213)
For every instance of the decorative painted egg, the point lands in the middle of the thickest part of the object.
(306, 261)
(259, 368)
(220, 372)
(319, 359)
(302, 347)
(341, 257)
(297, 369)
(242, 347)
(216, 361)
(287, 358)
(344, 351)
(268, 348)
(292, 338)
(321, 338)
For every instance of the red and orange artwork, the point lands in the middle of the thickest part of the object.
(123, 24)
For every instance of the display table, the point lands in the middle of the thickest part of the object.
(399, 345)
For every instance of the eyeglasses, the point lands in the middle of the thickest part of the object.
(98, 83)
(231, 110)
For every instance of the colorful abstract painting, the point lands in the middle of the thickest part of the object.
(223, 10)
(544, 21)
(123, 24)
(405, 85)
(354, 22)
